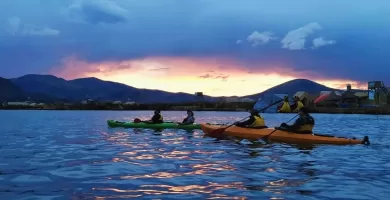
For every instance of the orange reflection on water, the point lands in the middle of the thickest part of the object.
(177, 140)
(122, 160)
(146, 157)
(280, 182)
(277, 186)
(270, 170)
(222, 196)
(118, 197)
(214, 167)
(208, 152)
(165, 174)
(180, 152)
(187, 189)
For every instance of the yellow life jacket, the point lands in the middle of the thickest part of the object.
(285, 108)
(161, 117)
(258, 122)
(299, 106)
(308, 126)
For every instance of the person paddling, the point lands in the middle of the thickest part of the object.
(304, 124)
(190, 119)
(298, 104)
(157, 118)
(254, 121)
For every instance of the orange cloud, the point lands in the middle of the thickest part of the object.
(212, 76)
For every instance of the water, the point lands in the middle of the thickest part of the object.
(73, 155)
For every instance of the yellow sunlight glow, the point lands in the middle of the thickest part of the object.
(214, 77)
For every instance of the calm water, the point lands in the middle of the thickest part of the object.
(73, 155)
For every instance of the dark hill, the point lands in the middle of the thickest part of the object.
(49, 85)
(79, 89)
(293, 86)
(10, 92)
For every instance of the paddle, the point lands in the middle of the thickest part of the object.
(265, 138)
(219, 131)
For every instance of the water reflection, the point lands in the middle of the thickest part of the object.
(157, 189)
(77, 157)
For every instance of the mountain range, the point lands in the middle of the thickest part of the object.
(46, 88)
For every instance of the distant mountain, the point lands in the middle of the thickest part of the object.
(48, 87)
(9, 91)
(79, 89)
(293, 86)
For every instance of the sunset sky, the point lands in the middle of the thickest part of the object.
(217, 47)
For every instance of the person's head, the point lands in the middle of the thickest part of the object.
(157, 112)
(190, 113)
(303, 111)
(254, 112)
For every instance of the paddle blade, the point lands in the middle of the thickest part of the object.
(136, 120)
(217, 132)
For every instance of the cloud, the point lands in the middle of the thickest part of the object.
(97, 11)
(257, 38)
(205, 76)
(214, 76)
(222, 77)
(114, 31)
(189, 75)
(238, 41)
(34, 30)
(13, 24)
(160, 69)
(16, 27)
(72, 67)
(295, 39)
(320, 42)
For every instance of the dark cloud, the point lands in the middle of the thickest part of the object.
(95, 12)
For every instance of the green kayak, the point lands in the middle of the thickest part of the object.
(113, 124)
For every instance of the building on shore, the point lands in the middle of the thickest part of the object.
(379, 93)
(24, 104)
(376, 95)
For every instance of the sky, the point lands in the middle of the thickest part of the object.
(216, 47)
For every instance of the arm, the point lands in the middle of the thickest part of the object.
(247, 122)
(189, 120)
(298, 123)
(155, 118)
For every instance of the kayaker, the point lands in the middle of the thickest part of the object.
(298, 104)
(157, 118)
(190, 119)
(304, 124)
(285, 107)
(254, 121)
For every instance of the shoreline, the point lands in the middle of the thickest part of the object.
(322, 110)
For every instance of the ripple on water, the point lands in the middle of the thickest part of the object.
(76, 156)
